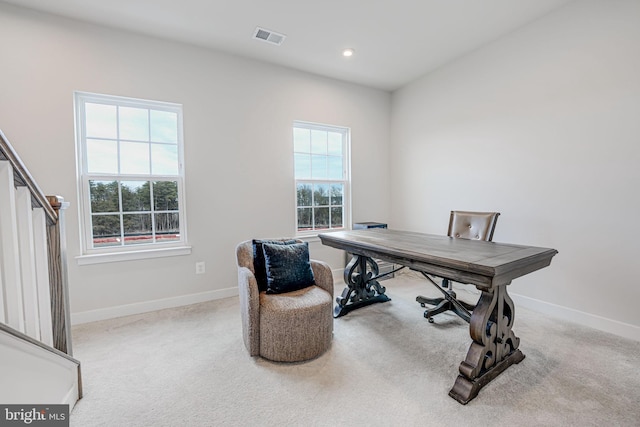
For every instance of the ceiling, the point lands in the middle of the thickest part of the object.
(395, 41)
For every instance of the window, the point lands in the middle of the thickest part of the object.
(322, 177)
(131, 177)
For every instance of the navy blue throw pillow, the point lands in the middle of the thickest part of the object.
(288, 267)
(258, 260)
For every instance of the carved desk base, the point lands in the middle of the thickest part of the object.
(362, 288)
(494, 346)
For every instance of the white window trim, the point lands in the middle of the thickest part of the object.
(123, 253)
(312, 235)
(133, 255)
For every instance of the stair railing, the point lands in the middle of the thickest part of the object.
(34, 299)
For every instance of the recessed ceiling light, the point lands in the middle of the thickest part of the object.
(348, 52)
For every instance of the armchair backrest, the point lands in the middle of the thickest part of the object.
(472, 225)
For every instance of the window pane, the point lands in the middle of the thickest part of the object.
(164, 159)
(319, 167)
(318, 142)
(106, 230)
(304, 195)
(321, 218)
(334, 147)
(134, 158)
(321, 173)
(131, 173)
(164, 126)
(165, 195)
(135, 196)
(336, 217)
(167, 227)
(134, 124)
(302, 166)
(301, 140)
(104, 196)
(334, 167)
(102, 156)
(100, 121)
(337, 191)
(304, 219)
(137, 229)
(321, 195)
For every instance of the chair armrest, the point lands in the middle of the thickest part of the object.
(322, 275)
(249, 309)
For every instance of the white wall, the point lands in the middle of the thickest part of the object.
(238, 115)
(542, 125)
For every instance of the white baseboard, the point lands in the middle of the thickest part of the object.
(605, 324)
(146, 306)
(616, 327)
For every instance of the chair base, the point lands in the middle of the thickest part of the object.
(295, 326)
(442, 305)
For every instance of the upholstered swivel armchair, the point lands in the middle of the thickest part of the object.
(287, 326)
(462, 225)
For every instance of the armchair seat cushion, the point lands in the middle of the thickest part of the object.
(295, 325)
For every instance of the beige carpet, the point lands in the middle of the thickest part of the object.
(387, 367)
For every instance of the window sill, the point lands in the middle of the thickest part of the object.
(133, 255)
(313, 237)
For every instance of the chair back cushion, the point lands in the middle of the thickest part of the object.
(287, 267)
(472, 225)
(259, 268)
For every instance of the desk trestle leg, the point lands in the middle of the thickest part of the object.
(494, 347)
(362, 287)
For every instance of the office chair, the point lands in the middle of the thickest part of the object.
(462, 225)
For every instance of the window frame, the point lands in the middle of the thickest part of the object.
(89, 253)
(345, 181)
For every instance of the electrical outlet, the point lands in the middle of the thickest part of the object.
(200, 267)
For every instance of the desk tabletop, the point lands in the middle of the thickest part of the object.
(483, 264)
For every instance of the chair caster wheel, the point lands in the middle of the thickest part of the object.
(422, 305)
(430, 319)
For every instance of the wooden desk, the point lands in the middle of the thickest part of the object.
(490, 266)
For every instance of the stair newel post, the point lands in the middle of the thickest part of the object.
(58, 276)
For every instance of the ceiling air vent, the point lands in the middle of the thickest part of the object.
(268, 36)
